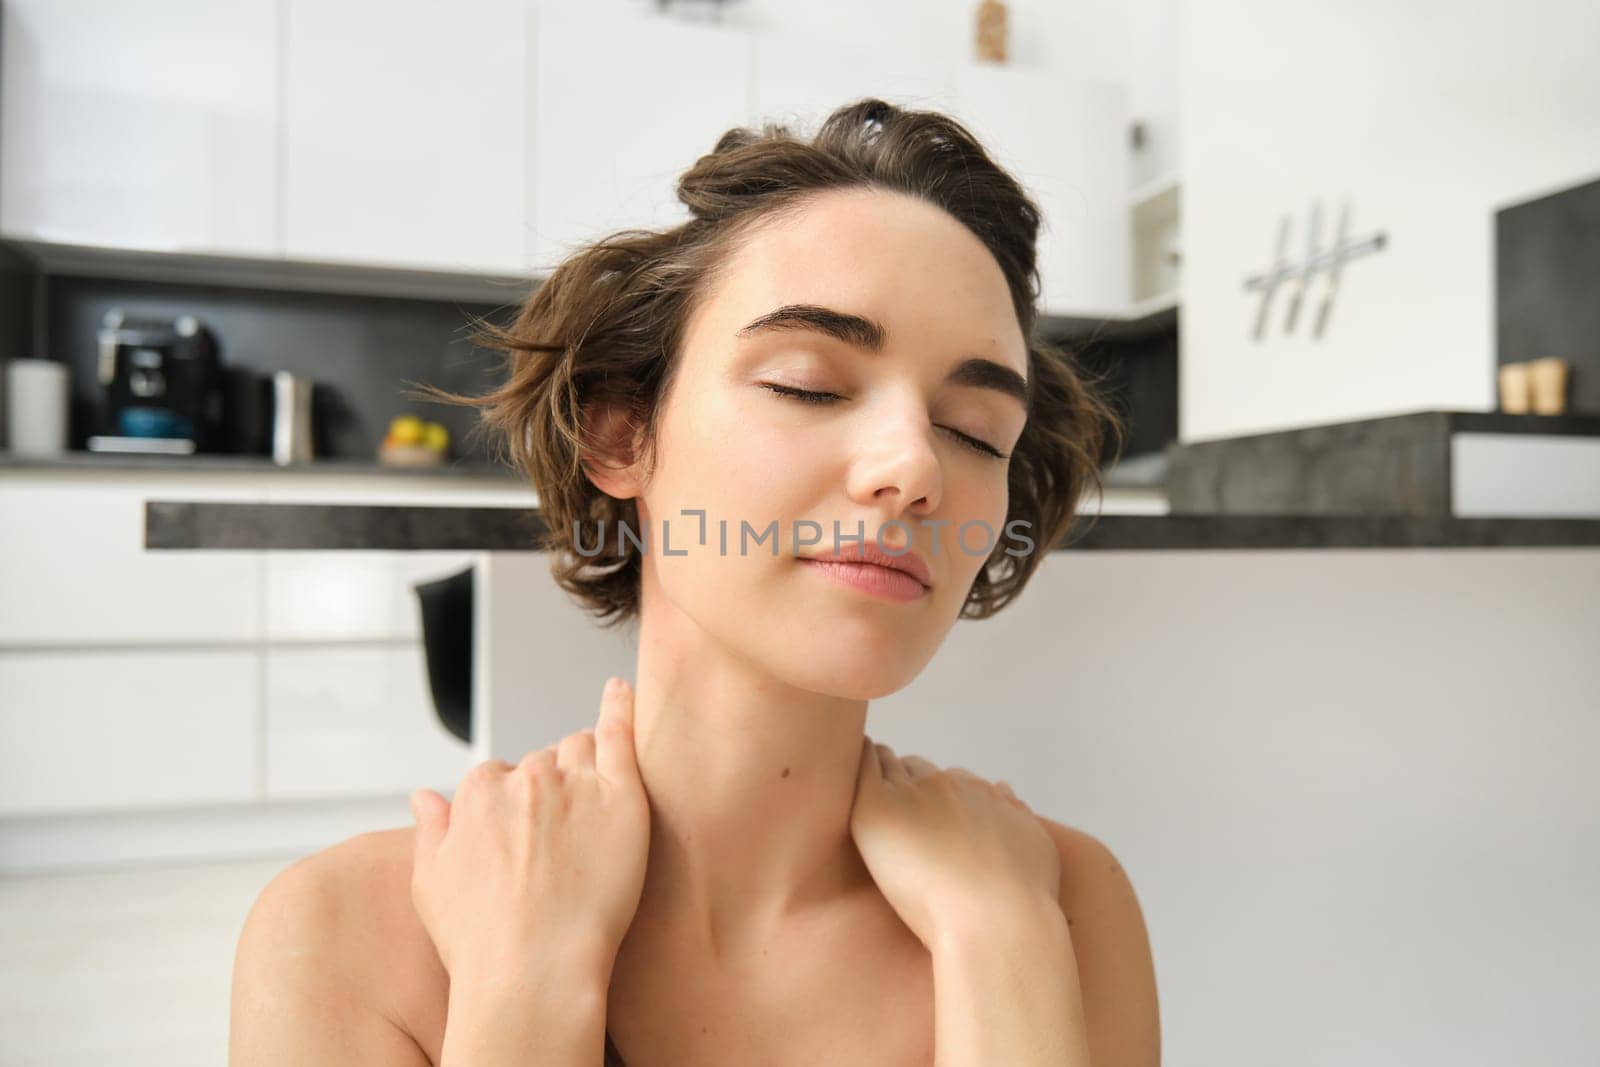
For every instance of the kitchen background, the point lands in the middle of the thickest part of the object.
(1329, 695)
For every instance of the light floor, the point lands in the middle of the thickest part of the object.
(129, 967)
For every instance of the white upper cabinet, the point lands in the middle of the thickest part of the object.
(494, 136)
(1066, 142)
(150, 126)
(404, 133)
(624, 102)
(806, 78)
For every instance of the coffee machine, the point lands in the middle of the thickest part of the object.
(162, 385)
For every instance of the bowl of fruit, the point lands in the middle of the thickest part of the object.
(411, 442)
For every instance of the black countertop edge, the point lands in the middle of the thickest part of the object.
(182, 525)
(1146, 471)
(1573, 423)
(213, 462)
(1428, 421)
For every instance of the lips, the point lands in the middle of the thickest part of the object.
(908, 562)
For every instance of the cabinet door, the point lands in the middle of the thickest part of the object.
(805, 78)
(366, 595)
(351, 596)
(138, 728)
(1066, 141)
(405, 132)
(150, 126)
(624, 103)
(355, 721)
(75, 569)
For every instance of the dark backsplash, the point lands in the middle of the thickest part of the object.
(364, 353)
(1547, 287)
(1138, 375)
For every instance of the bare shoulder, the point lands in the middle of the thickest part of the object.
(1112, 949)
(332, 956)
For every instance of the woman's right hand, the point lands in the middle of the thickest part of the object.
(544, 857)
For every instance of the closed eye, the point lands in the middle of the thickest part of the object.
(808, 396)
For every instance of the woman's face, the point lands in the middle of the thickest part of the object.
(897, 443)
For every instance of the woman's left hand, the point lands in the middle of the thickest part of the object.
(948, 849)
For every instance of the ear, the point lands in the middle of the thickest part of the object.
(610, 457)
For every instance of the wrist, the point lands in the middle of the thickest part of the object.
(1016, 923)
(569, 978)
(494, 1016)
(576, 957)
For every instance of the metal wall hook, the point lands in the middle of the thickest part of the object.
(715, 7)
(1333, 258)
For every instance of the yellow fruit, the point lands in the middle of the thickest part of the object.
(436, 437)
(406, 429)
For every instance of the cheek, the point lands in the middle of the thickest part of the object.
(736, 468)
(979, 506)
(748, 464)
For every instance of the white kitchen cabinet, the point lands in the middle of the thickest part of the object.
(137, 728)
(346, 595)
(355, 721)
(806, 78)
(149, 126)
(1065, 141)
(366, 595)
(404, 133)
(623, 103)
(75, 570)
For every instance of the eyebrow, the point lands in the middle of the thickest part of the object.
(863, 333)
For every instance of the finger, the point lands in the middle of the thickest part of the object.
(480, 777)
(893, 769)
(1010, 794)
(576, 750)
(539, 759)
(432, 813)
(613, 733)
(917, 767)
(480, 780)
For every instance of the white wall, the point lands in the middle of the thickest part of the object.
(1430, 114)
(1354, 790)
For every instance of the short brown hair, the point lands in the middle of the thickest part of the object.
(603, 330)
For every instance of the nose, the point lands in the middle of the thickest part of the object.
(896, 469)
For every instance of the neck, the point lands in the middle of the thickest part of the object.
(751, 784)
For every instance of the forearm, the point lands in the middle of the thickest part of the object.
(552, 1016)
(1006, 991)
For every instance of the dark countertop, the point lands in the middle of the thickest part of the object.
(1133, 472)
(190, 525)
(1146, 471)
(219, 462)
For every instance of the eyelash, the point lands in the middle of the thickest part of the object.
(807, 396)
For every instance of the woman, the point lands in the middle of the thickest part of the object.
(726, 869)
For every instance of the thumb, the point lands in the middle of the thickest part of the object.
(614, 755)
(432, 813)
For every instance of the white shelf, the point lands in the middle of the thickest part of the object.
(1154, 190)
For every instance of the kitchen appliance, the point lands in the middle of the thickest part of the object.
(291, 418)
(36, 406)
(162, 383)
